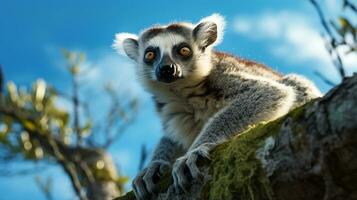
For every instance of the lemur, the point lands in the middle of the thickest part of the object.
(203, 97)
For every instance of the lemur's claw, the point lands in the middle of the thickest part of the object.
(186, 171)
(145, 184)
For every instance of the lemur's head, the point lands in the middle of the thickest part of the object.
(174, 52)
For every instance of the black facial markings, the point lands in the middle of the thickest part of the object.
(155, 50)
(176, 49)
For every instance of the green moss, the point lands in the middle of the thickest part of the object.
(162, 187)
(236, 172)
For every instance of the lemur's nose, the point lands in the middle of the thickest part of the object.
(168, 70)
(167, 73)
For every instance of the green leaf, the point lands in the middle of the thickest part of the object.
(12, 89)
(122, 180)
(74, 69)
(40, 90)
(28, 125)
(86, 130)
(346, 27)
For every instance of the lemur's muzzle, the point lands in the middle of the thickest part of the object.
(167, 72)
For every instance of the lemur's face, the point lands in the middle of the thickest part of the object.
(179, 51)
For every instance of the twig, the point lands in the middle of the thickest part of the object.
(332, 51)
(116, 107)
(55, 147)
(324, 78)
(112, 138)
(348, 4)
(46, 187)
(143, 156)
(82, 104)
(75, 101)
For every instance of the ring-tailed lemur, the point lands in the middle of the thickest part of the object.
(203, 97)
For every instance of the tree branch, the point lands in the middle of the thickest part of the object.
(53, 146)
(348, 4)
(334, 54)
(307, 154)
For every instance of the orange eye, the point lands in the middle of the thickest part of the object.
(185, 51)
(149, 56)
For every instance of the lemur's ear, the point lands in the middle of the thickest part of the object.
(126, 43)
(209, 31)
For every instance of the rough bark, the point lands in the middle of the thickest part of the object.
(308, 154)
(102, 186)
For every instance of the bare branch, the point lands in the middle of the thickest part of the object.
(53, 146)
(45, 187)
(119, 132)
(143, 156)
(75, 101)
(114, 127)
(332, 48)
(324, 79)
(348, 4)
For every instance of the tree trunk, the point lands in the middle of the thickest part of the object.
(308, 154)
(100, 173)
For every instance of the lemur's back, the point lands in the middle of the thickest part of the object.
(226, 64)
(230, 63)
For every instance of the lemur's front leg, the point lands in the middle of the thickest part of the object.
(145, 183)
(265, 102)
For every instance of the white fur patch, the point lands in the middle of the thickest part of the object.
(166, 42)
(118, 44)
(221, 24)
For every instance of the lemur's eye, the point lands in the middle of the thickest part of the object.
(149, 56)
(184, 51)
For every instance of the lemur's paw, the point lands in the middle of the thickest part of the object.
(186, 168)
(145, 183)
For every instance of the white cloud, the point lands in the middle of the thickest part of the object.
(331, 4)
(242, 25)
(113, 68)
(294, 38)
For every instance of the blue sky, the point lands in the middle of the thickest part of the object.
(282, 34)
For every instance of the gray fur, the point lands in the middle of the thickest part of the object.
(218, 97)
